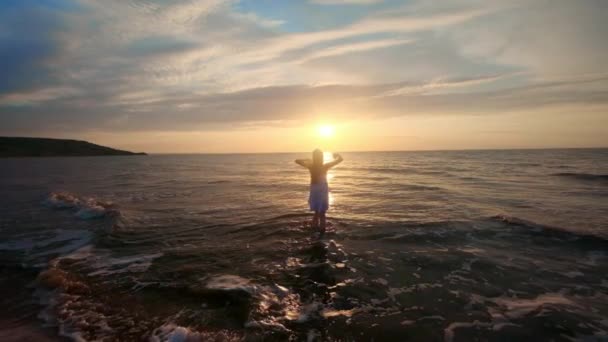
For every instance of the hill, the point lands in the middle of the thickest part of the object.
(46, 147)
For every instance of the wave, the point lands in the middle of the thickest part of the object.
(393, 170)
(68, 290)
(85, 208)
(289, 215)
(39, 247)
(174, 332)
(218, 181)
(520, 222)
(589, 177)
(290, 299)
(453, 232)
(420, 187)
(551, 232)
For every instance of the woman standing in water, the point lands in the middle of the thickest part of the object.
(319, 190)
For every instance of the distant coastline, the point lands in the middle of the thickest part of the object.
(47, 147)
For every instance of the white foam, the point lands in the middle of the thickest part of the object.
(62, 200)
(454, 278)
(393, 291)
(38, 247)
(171, 332)
(73, 241)
(86, 208)
(100, 262)
(91, 212)
(40, 241)
(449, 332)
(293, 262)
(266, 324)
(305, 313)
(381, 281)
(230, 282)
(76, 316)
(274, 303)
(518, 307)
(130, 264)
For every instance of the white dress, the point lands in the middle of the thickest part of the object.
(318, 200)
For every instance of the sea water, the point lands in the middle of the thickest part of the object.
(455, 246)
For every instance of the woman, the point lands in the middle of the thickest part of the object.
(318, 199)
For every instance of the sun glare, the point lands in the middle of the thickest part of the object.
(326, 131)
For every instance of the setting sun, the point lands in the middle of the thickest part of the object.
(326, 131)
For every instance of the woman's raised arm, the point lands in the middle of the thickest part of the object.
(337, 160)
(303, 162)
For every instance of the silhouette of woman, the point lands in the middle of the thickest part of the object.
(318, 199)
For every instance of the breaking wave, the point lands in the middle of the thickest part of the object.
(83, 207)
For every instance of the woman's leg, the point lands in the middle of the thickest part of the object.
(315, 220)
(322, 226)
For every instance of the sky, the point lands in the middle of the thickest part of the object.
(190, 76)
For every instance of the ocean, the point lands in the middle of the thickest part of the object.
(508, 245)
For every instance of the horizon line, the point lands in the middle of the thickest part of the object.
(349, 151)
(391, 151)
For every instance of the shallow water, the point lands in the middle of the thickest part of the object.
(455, 246)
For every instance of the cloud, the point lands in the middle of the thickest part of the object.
(192, 112)
(371, 26)
(27, 48)
(557, 38)
(39, 95)
(184, 65)
(346, 2)
(158, 45)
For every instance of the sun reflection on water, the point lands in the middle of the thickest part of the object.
(328, 157)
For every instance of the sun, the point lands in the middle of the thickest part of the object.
(326, 131)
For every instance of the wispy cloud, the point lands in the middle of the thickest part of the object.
(133, 65)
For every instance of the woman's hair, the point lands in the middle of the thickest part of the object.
(317, 157)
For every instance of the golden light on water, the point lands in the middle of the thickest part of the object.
(328, 157)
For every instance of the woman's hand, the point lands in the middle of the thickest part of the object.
(337, 160)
